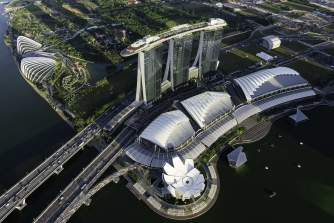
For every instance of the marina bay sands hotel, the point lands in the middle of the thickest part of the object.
(152, 81)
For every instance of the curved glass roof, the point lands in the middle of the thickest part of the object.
(265, 81)
(170, 129)
(37, 69)
(246, 111)
(207, 106)
(24, 45)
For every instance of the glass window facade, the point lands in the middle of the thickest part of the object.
(153, 72)
(181, 59)
(210, 51)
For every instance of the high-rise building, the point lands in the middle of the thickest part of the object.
(210, 51)
(179, 71)
(181, 60)
(149, 75)
(177, 67)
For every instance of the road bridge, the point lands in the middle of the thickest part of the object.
(84, 198)
(14, 198)
(88, 176)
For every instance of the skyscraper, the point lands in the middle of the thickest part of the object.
(149, 75)
(210, 51)
(181, 60)
(178, 72)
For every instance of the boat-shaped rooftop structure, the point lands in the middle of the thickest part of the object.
(149, 42)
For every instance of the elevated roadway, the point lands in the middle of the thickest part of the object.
(14, 198)
(86, 178)
(84, 198)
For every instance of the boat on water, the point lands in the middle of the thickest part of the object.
(272, 194)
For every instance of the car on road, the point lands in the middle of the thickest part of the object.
(83, 187)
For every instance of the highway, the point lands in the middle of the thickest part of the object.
(86, 178)
(16, 195)
(83, 198)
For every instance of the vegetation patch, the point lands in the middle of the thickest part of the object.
(239, 59)
(235, 39)
(281, 51)
(295, 15)
(294, 46)
(270, 6)
(221, 142)
(296, 6)
(329, 28)
(249, 13)
(262, 118)
(105, 92)
(32, 8)
(12, 4)
(313, 72)
(134, 176)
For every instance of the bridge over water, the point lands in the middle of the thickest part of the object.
(14, 198)
(71, 197)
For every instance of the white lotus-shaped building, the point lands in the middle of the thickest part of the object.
(37, 69)
(24, 45)
(184, 181)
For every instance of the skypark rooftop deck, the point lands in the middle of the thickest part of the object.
(151, 41)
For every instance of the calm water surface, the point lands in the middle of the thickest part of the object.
(303, 195)
(30, 130)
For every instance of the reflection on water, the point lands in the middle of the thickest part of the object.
(243, 196)
(97, 72)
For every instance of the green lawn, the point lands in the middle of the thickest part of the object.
(329, 28)
(31, 9)
(254, 49)
(281, 51)
(121, 82)
(234, 39)
(295, 14)
(249, 13)
(313, 34)
(329, 51)
(187, 6)
(12, 4)
(239, 59)
(313, 42)
(297, 6)
(177, 20)
(311, 71)
(294, 46)
(271, 7)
